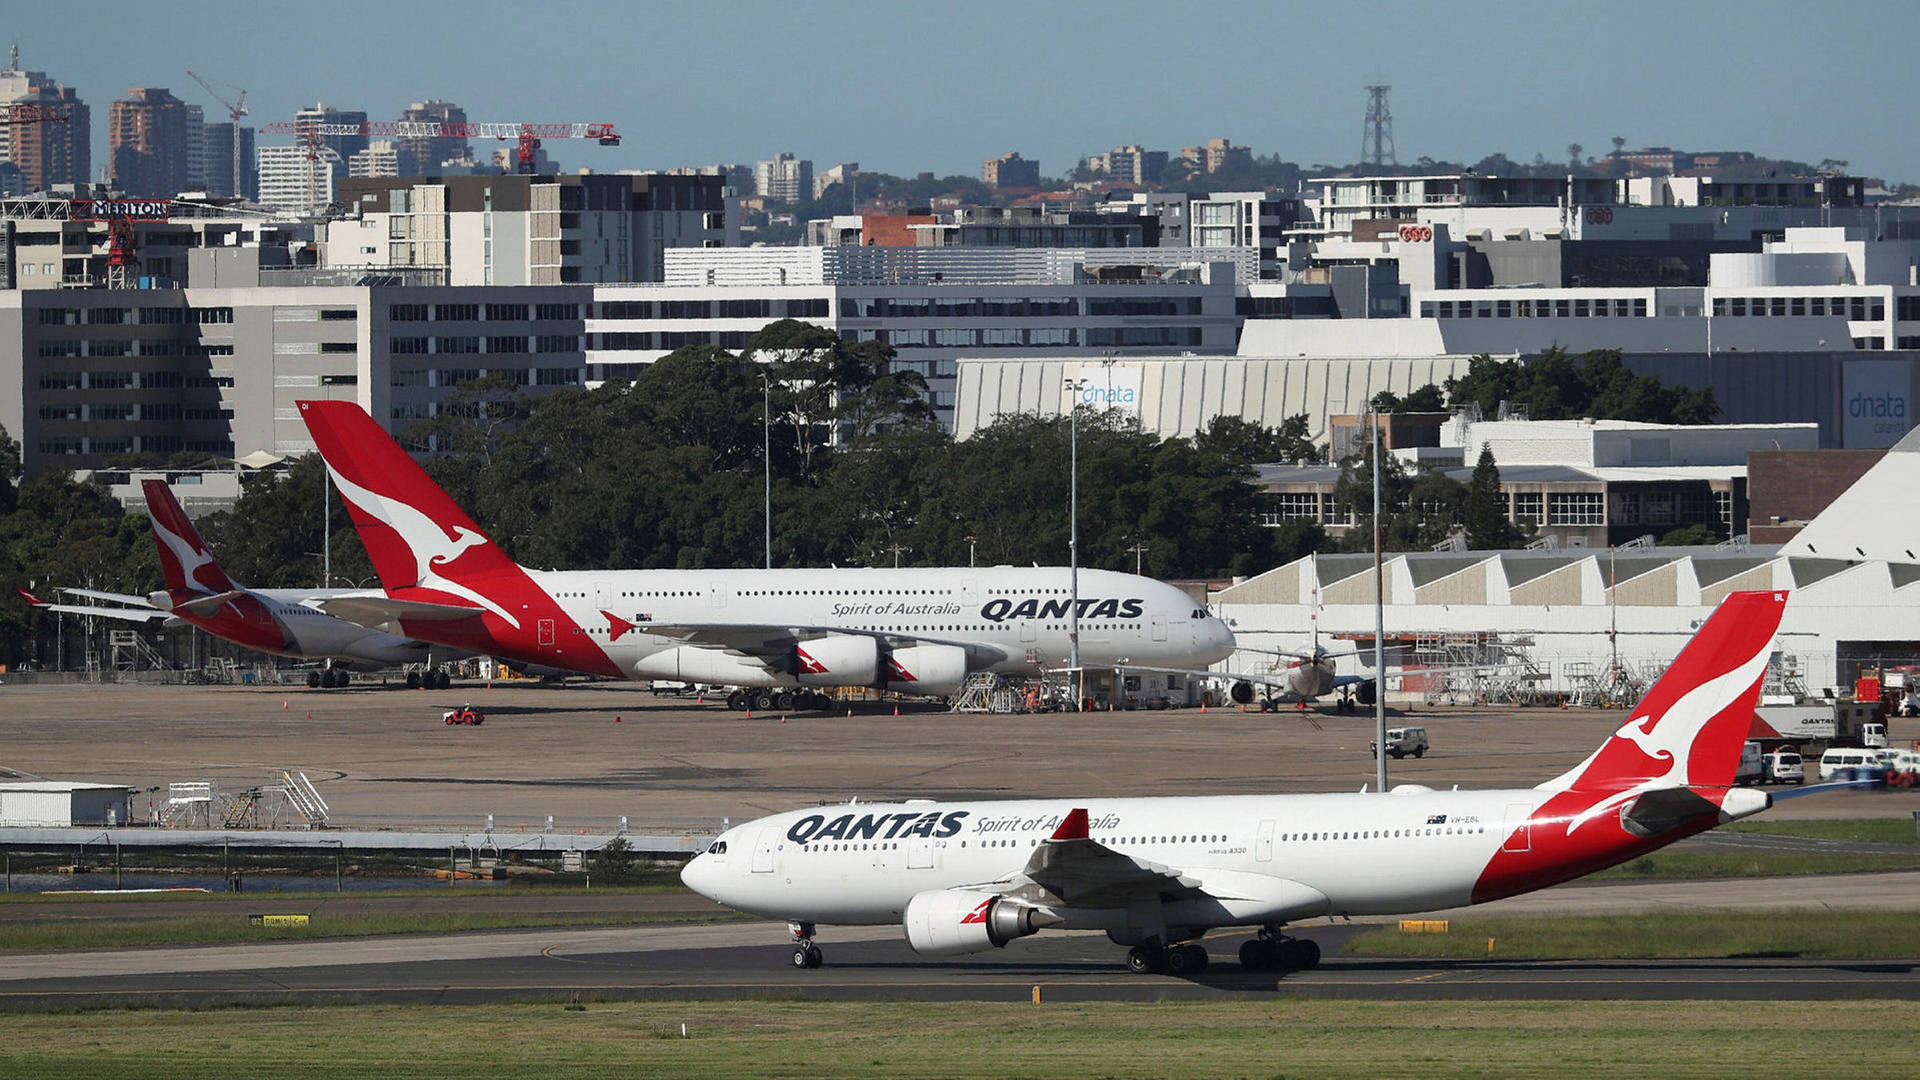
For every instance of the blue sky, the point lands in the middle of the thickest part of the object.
(908, 87)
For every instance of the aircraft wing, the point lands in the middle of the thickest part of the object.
(144, 613)
(118, 598)
(1082, 872)
(768, 641)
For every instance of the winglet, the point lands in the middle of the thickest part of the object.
(1073, 826)
(31, 599)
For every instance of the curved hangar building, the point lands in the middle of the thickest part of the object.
(1541, 619)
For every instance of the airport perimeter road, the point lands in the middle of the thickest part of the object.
(874, 963)
(588, 754)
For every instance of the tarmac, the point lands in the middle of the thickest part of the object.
(589, 754)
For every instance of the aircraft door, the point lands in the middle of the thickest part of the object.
(1159, 628)
(919, 853)
(1263, 845)
(603, 596)
(764, 847)
(1026, 630)
(717, 590)
(1519, 831)
(545, 629)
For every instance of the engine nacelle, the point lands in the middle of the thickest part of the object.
(695, 664)
(934, 670)
(1241, 692)
(837, 660)
(948, 922)
(1367, 692)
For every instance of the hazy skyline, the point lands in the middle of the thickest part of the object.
(903, 89)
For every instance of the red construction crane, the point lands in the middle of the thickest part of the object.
(236, 109)
(529, 135)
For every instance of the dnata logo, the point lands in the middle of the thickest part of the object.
(1109, 395)
(1877, 407)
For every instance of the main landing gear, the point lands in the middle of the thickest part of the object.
(1273, 951)
(1151, 958)
(327, 678)
(805, 953)
(431, 679)
(766, 699)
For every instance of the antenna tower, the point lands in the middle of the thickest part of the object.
(1376, 142)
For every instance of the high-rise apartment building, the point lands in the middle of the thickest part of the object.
(343, 146)
(50, 152)
(219, 155)
(421, 155)
(147, 142)
(784, 179)
(1010, 170)
(1216, 155)
(1132, 164)
(198, 165)
(380, 158)
(291, 183)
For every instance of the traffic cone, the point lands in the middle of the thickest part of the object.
(783, 719)
(309, 716)
(896, 710)
(849, 712)
(616, 719)
(749, 714)
(283, 704)
(700, 699)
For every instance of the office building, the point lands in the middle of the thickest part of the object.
(379, 159)
(148, 148)
(423, 155)
(784, 179)
(293, 183)
(48, 152)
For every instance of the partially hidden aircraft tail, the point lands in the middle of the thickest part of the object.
(186, 565)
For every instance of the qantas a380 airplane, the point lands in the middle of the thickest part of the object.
(913, 631)
(1158, 873)
(281, 622)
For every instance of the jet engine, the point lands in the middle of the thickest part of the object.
(948, 922)
(1367, 692)
(934, 670)
(837, 660)
(1241, 692)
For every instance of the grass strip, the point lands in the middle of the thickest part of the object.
(1671, 865)
(1853, 935)
(231, 928)
(1227, 1038)
(1899, 830)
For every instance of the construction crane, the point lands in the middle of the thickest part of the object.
(235, 109)
(529, 135)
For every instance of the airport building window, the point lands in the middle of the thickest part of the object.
(407, 313)
(1576, 508)
(1527, 508)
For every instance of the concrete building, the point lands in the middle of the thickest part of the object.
(148, 149)
(379, 159)
(219, 155)
(526, 230)
(43, 247)
(1132, 164)
(423, 155)
(199, 164)
(1217, 155)
(846, 172)
(47, 153)
(1010, 170)
(343, 146)
(784, 179)
(89, 375)
(292, 184)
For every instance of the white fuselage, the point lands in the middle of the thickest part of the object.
(1275, 857)
(1009, 619)
(314, 634)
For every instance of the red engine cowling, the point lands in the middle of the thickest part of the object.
(837, 660)
(934, 670)
(949, 922)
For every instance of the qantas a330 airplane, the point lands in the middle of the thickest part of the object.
(281, 622)
(913, 631)
(1158, 873)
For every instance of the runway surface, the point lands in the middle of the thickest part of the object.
(744, 959)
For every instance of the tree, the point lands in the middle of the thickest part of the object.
(1558, 386)
(1485, 512)
(1691, 536)
(1573, 155)
(1245, 442)
(10, 469)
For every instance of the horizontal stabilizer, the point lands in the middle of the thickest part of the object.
(208, 606)
(1662, 809)
(382, 612)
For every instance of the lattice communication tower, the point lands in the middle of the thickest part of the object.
(1376, 141)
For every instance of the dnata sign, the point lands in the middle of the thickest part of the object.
(1104, 386)
(1876, 403)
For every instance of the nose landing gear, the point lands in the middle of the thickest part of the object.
(805, 953)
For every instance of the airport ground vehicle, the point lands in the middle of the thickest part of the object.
(1783, 766)
(465, 714)
(1903, 767)
(1158, 874)
(1752, 769)
(1402, 741)
(1852, 763)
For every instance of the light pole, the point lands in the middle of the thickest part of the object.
(1073, 537)
(1379, 622)
(971, 541)
(766, 455)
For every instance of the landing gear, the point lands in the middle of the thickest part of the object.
(327, 678)
(413, 680)
(1272, 951)
(1151, 958)
(737, 700)
(761, 700)
(805, 953)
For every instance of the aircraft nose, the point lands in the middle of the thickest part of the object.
(698, 875)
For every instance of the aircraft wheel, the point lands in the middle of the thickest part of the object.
(762, 700)
(802, 957)
(1186, 960)
(444, 680)
(737, 700)
(1144, 961)
(814, 957)
(313, 679)
(1302, 955)
(1260, 954)
(783, 701)
(413, 680)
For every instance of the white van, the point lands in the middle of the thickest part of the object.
(1752, 769)
(1784, 767)
(1851, 763)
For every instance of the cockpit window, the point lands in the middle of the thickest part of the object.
(1199, 613)
(718, 847)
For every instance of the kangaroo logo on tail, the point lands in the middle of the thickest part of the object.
(426, 540)
(185, 561)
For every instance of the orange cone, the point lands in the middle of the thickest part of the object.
(749, 714)
(616, 719)
(283, 703)
(309, 716)
(849, 712)
(700, 699)
(783, 719)
(896, 710)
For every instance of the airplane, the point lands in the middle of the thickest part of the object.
(1157, 874)
(282, 622)
(779, 635)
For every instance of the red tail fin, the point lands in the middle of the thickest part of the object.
(415, 534)
(1689, 728)
(185, 563)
